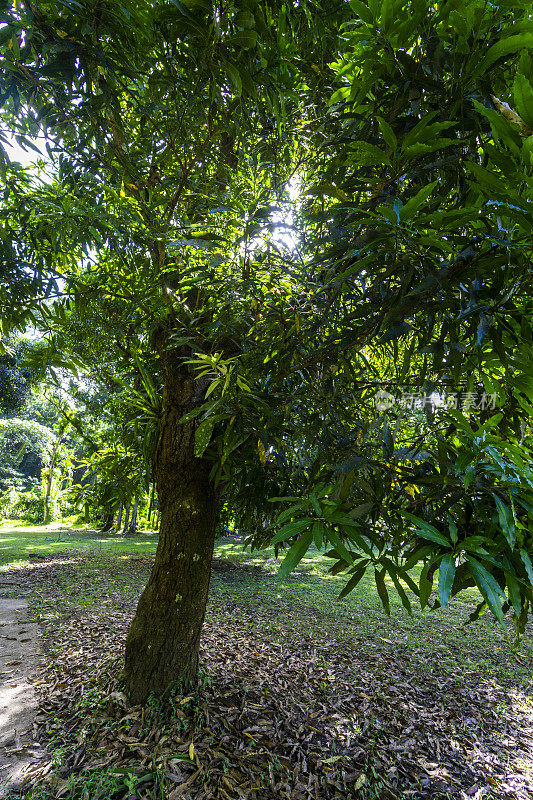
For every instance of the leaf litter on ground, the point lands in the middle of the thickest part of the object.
(296, 700)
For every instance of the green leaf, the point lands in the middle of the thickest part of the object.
(318, 535)
(506, 520)
(387, 12)
(514, 592)
(295, 554)
(426, 530)
(388, 134)
(354, 580)
(446, 576)
(361, 511)
(506, 46)
(147, 382)
(406, 578)
(315, 504)
(346, 485)
(474, 544)
(202, 437)
(244, 39)
(367, 155)
(426, 586)
(189, 21)
(501, 128)
(379, 577)
(394, 573)
(339, 566)
(355, 536)
(340, 548)
(424, 131)
(289, 512)
(362, 11)
(527, 564)
(425, 148)
(291, 529)
(527, 151)
(460, 24)
(486, 179)
(235, 76)
(452, 527)
(523, 95)
(388, 441)
(478, 611)
(489, 588)
(7, 32)
(421, 197)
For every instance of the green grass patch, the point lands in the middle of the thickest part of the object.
(26, 543)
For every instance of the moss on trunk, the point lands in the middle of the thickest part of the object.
(163, 642)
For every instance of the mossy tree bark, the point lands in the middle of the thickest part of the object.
(163, 642)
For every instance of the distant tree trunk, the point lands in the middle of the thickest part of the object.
(92, 483)
(108, 521)
(126, 518)
(119, 517)
(163, 641)
(133, 521)
(151, 506)
(50, 479)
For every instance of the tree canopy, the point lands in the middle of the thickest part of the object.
(251, 218)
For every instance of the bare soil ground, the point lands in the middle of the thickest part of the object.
(20, 661)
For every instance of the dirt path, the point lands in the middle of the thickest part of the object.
(19, 657)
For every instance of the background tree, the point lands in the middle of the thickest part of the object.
(26, 447)
(15, 378)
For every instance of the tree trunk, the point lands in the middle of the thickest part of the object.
(151, 506)
(163, 642)
(50, 478)
(108, 521)
(126, 518)
(133, 521)
(119, 518)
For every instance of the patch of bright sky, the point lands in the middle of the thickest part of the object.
(26, 157)
(284, 234)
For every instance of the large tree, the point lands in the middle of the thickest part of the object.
(261, 211)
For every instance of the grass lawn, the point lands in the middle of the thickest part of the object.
(302, 696)
(24, 542)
